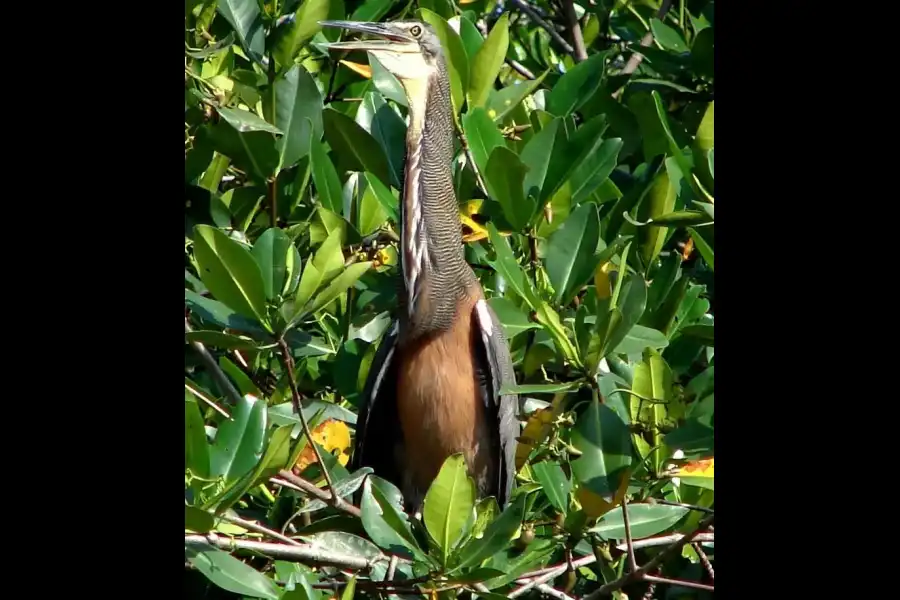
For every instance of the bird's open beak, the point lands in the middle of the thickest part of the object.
(389, 40)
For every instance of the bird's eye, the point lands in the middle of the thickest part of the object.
(415, 30)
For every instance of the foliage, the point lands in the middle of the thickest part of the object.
(593, 239)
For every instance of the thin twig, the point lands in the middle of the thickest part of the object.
(703, 509)
(392, 567)
(664, 540)
(288, 361)
(632, 563)
(655, 562)
(261, 529)
(580, 53)
(530, 12)
(520, 69)
(287, 477)
(300, 553)
(705, 560)
(233, 396)
(557, 569)
(551, 591)
(682, 583)
(208, 401)
(634, 61)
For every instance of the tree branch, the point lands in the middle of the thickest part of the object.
(215, 371)
(311, 489)
(554, 35)
(298, 553)
(635, 59)
(551, 591)
(251, 526)
(580, 53)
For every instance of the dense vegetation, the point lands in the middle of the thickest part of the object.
(586, 203)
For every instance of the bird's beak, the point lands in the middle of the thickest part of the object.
(389, 40)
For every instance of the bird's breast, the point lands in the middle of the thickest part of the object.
(440, 405)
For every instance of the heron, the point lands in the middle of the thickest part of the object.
(434, 386)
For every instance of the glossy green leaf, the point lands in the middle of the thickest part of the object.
(384, 522)
(296, 33)
(639, 338)
(667, 36)
(294, 104)
(229, 573)
(239, 442)
(198, 520)
(383, 194)
(343, 543)
(196, 448)
(386, 83)
(246, 20)
(513, 319)
(221, 315)
(448, 504)
(538, 388)
(555, 483)
(252, 151)
(660, 200)
(353, 148)
(487, 63)
(502, 102)
(244, 120)
(483, 136)
(593, 170)
(570, 260)
(577, 86)
(217, 339)
(370, 213)
(644, 520)
(605, 445)
(339, 285)
(229, 271)
(507, 266)
(544, 155)
(455, 54)
(496, 536)
(371, 10)
(470, 36)
(504, 177)
(388, 129)
(342, 487)
(703, 246)
(325, 178)
(274, 254)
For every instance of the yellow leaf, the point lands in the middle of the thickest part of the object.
(697, 468)
(331, 435)
(537, 429)
(595, 505)
(602, 281)
(364, 70)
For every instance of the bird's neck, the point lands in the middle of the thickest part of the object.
(435, 274)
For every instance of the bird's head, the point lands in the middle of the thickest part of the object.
(410, 50)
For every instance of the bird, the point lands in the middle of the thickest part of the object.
(434, 385)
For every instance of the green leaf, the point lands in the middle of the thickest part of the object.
(667, 37)
(371, 213)
(502, 102)
(504, 178)
(384, 522)
(470, 37)
(239, 442)
(538, 388)
(344, 543)
(644, 520)
(196, 448)
(353, 148)
(388, 129)
(198, 520)
(513, 319)
(577, 86)
(506, 265)
(339, 285)
(639, 338)
(274, 253)
(593, 171)
(219, 339)
(605, 445)
(455, 53)
(570, 260)
(325, 178)
(660, 200)
(245, 121)
(342, 487)
(483, 136)
(496, 537)
(371, 10)
(228, 573)
(544, 155)
(384, 197)
(296, 33)
(449, 504)
(488, 61)
(386, 83)
(555, 483)
(252, 151)
(297, 104)
(703, 246)
(229, 271)
(246, 20)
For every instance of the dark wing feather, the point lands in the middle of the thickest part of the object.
(377, 424)
(505, 408)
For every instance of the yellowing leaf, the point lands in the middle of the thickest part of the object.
(331, 435)
(595, 505)
(602, 281)
(476, 231)
(537, 429)
(361, 69)
(697, 468)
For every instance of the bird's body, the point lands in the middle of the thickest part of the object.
(433, 386)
